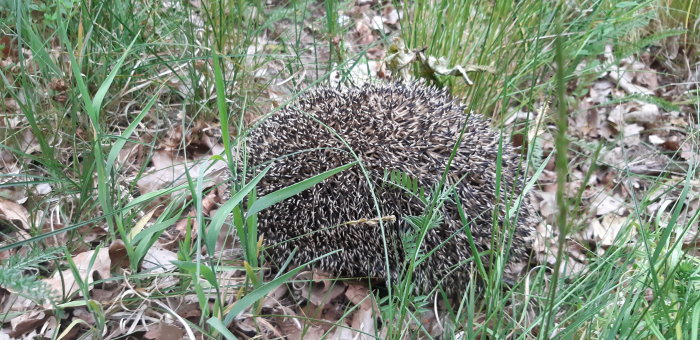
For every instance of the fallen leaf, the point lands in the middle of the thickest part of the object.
(67, 285)
(140, 224)
(609, 228)
(272, 299)
(364, 33)
(158, 260)
(624, 80)
(170, 172)
(104, 295)
(13, 301)
(430, 323)
(648, 79)
(118, 255)
(672, 143)
(547, 203)
(308, 332)
(378, 23)
(646, 113)
(163, 331)
(83, 314)
(544, 245)
(617, 116)
(26, 322)
(29, 144)
(601, 90)
(130, 157)
(12, 106)
(344, 333)
(42, 188)
(15, 193)
(12, 211)
(189, 310)
(363, 324)
(363, 318)
(318, 287)
(390, 15)
(604, 203)
(399, 58)
(656, 140)
(376, 53)
(631, 134)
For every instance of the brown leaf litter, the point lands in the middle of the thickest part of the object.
(87, 264)
(640, 138)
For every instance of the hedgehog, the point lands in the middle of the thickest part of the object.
(404, 127)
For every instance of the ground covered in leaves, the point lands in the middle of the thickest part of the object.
(67, 270)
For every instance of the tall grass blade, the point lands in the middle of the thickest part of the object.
(280, 195)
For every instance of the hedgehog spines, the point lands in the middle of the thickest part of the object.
(406, 127)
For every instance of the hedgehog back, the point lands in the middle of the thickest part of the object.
(405, 127)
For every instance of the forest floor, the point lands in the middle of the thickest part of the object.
(114, 143)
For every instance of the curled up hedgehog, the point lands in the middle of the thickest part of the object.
(405, 128)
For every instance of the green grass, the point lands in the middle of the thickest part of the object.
(135, 69)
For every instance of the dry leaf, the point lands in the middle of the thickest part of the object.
(12, 211)
(363, 318)
(364, 33)
(29, 144)
(363, 322)
(612, 224)
(158, 260)
(189, 311)
(130, 157)
(390, 15)
(617, 115)
(118, 254)
(601, 91)
(547, 203)
(42, 188)
(656, 140)
(318, 287)
(631, 134)
(544, 245)
(344, 333)
(646, 113)
(83, 314)
(164, 331)
(68, 285)
(624, 80)
(648, 79)
(13, 302)
(140, 224)
(168, 171)
(58, 84)
(307, 333)
(603, 204)
(399, 58)
(377, 23)
(26, 322)
(430, 323)
(272, 299)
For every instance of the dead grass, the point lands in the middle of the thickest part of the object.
(113, 165)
